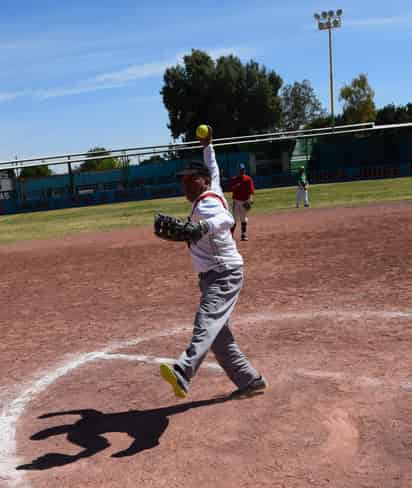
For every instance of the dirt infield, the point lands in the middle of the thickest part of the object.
(325, 314)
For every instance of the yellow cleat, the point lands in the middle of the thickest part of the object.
(168, 374)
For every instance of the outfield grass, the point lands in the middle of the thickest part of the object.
(56, 223)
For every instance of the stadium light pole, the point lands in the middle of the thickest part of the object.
(328, 21)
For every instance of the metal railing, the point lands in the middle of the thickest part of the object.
(194, 145)
(163, 148)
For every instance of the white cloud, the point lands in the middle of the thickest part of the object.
(372, 22)
(379, 21)
(110, 80)
(86, 87)
(119, 78)
(135, 72)
(132, 73)
(7, 96)
(241, 52)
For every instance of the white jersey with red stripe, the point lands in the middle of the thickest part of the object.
(217, 249)
(209, 158)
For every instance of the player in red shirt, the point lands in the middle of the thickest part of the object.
(242, 189)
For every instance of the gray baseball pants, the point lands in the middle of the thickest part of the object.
(219, 294)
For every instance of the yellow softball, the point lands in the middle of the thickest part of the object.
(202, 132)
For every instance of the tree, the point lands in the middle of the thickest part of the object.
(326, 121)
(92, 164)
(300, 106)
(235, 99)
(358, 101)
(391, 114)
(36, 172)
(171, 153)
(156, 158)
(320, 122)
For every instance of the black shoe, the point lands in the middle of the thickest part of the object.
(255, 387)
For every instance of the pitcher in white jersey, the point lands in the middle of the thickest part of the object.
(220, 267)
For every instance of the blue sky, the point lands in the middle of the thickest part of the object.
(78, 74)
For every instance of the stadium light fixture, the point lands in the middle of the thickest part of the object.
(328, 21)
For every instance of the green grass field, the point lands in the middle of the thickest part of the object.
(56, 223)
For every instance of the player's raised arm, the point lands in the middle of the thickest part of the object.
(205, 135)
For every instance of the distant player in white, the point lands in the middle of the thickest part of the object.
(302, 191)
(220, 267)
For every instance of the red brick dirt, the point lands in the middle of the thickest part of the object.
(325, 314)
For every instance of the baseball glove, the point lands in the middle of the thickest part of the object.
(178, 230)
(247, 205)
